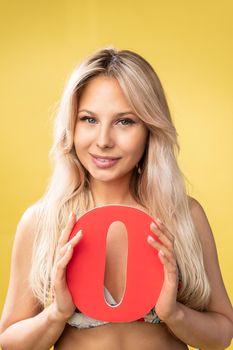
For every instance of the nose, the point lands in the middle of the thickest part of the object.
(104, 137)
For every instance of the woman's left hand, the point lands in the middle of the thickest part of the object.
(166, 304)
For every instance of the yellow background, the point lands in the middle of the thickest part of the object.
(189, 44)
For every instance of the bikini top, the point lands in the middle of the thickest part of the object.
(81, 320)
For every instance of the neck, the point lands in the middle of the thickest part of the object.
(115, 192)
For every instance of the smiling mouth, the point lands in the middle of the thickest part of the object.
(106, 158)
(103, 160)
(104, 163)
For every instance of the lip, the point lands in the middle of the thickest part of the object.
(104, 162)
(103, 157)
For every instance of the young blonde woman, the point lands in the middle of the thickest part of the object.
(115, 143)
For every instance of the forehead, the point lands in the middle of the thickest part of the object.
(103, 89)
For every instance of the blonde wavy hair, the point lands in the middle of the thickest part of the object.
(159, 187)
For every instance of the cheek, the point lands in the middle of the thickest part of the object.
(135, 145)
(81, 139)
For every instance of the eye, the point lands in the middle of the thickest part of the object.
(89, 119)
(126, 121)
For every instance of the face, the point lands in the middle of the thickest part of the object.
(109, 138)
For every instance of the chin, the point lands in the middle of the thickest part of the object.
(110, 178)
(105, 178)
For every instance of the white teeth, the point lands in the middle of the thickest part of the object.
(103, 160)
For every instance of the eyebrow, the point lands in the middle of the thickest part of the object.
(121, 114)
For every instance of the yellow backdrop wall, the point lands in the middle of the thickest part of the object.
(189, 44)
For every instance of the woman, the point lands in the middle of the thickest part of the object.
(115, 144)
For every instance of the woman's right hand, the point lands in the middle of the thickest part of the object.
(63, 306)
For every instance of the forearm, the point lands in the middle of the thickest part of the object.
(204, 330)
(36, 333)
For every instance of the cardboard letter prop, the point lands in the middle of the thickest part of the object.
(85, 271)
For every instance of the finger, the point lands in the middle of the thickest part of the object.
(158, 246)
(161, 226)
(165, 238)
(67, 230)
(169, 264)
(66, 257)
(65, 233)
(59, 245)
(72, 242)
(61, 265)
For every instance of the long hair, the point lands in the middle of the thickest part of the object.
(159, 187)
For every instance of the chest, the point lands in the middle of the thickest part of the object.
(116, 260)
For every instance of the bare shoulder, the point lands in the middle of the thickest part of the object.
(219, 300)
(26, 225)
(203, 230)
(25, 234)
(20, 302)
(200, 221)
(195, 207)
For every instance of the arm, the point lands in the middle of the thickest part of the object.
(211, 330)
(24, 325)
(207, 330)
(39, 332)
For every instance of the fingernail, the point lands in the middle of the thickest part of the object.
(71, 214)
(161, 253)
(150, 239)
(158, 222)
(154, 225)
